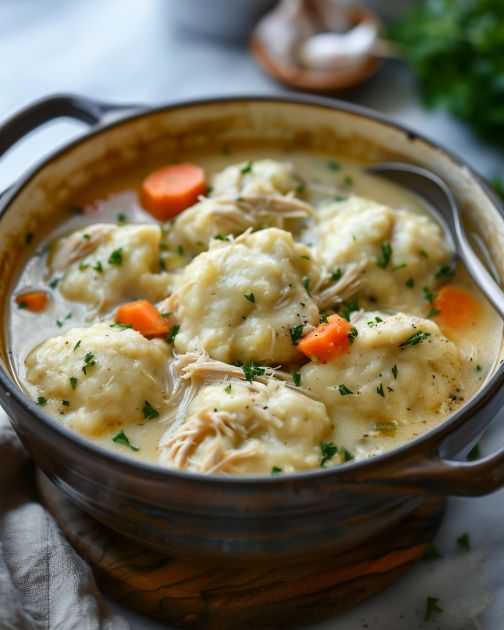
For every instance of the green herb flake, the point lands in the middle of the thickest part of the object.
(246, 168)
(328, 450)
(77, 345)
(336, 275)
(65, 403)
(22, 305)
(251, 371)
(344, 390)
(162, 264)
(429, 294)
(464, 542)
(445, 272)
(339, 198)
(296, 333)
(221, 237)
(174, 330)
(122, 438)
(180, 250)
(478, 368)
(41, 401)
(324, 316)
(250, 297)
(54, 283)
(395, 372)
(98, 267)
(415, 339)
(89, 362)
(353, 334)
(347, 181)
(383, 259)
(275, 470)
(60, 322)
(432, 608)
(431, 553)
(373, 323)
(73, 382)
(227, 389)
(149, 413)
(86, 237)
(385, 427)
(122, 218)
(434, 312)
(423, 253)
(347, 308)
(28, 238)
(474, 453)
(410, 283)
(332, 165)
(345, 455)
(296, 378)
(306, 284)
(83, 266)
(116, 257)
(379, 390)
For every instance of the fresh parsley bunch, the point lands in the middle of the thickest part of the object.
(456, 48)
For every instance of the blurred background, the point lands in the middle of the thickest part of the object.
(439, 70)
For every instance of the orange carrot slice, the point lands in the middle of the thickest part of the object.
(35, 301)
(171, 189)
(143, 317)
(328, 340)
(457, 307)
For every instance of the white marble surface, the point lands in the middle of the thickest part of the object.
(131, 50)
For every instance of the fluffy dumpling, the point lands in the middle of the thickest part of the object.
(398, 251)
(105, 264)
(261, 177)
(237, 427)
(241, 300)
(399, 369)
(99, 378)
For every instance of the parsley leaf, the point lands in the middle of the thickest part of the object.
(98, 267)
(227, 389)
(429, 294)
(410, 283)
(296, 333)
(296, 377)
(383, 259)
(353, 334)
(328, 451)
(89, 362)
(464, 541)
(395, 371)
(415, 339)
(116, 257)
(250, 297)
(149, 412)
(432, 607)
(344, 390)
(41, 401)
(120, 326)
(332, 165)
(54, 283)
(122, 438)
(221, 237)
(346, 456)
(445, 272)
(336, 275)
(77, 345)
(246, 168)
(306, 284)
(275, 470)
(251, 370)
(73, 382)
(379, 390)
(347, 308)
(174, 330)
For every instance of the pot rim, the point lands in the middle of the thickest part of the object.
(157, 472)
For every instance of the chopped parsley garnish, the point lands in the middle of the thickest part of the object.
(180, 250)
(336, 275)
(77, 345)
(86, 236)
(116, 257)
(162, 264)
(346, 456)
(122, 438)
(296, 378)
(347, 181)
(332, 165)
(464, 541)
(432, 553)
(306, 284)
(89, 362)
(73, 382)
(121, 326)
(478, 368)
(429, 294)
(246, 168)
(395, 371)
(174, 330)
(65, 403)
(22, 305)
(379, 390)
(433, 313)
(386, 428)
(340, 198)
(324, 316)
(275, 470)
(83, 266)
(250, 297)
(373, 323)
(328, 451)
(60, 322)
(296, 333)
(98, 267)
(383, 259)
(344, 390)
(410, 283)
(166, 314)
(28, 238)
(415, 339)
(251, 370)
(353, 334)
(474, 453)
(423, 253)
(227, 389)
(122, 218)
(221, 237)
(54, 283)
(445, 272)
(149, 412)
(347, 308)
(41, 401)
(432, 607)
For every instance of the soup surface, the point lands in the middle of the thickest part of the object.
(268, 314)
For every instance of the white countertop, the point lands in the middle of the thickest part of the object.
(132, 51)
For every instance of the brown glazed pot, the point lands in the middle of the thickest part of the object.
(249, 517)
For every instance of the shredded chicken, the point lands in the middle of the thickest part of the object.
(80, 244)
(344, 288)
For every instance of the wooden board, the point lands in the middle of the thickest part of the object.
(207, 594)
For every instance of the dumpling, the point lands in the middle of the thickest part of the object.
(261, 177)
(237, 427)
(399, 369)
(99, 378)
(241, 300)
(398, 251)
(107, 264)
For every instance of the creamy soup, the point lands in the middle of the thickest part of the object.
(267, 313)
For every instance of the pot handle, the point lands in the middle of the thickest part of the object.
(57, 106)
(442, 477)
